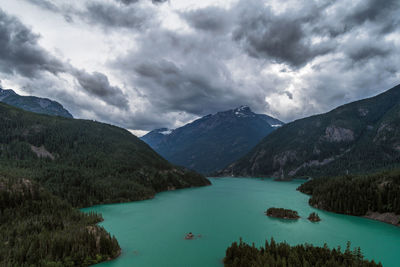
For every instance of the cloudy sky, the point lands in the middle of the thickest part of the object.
(145, 64)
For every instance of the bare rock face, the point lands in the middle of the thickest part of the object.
(283, 158)
(338, 134)
(387, 217)
(41, 152)
(363, 112)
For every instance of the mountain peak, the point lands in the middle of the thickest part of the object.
(227, 136)
(243, 111)
(33, 103)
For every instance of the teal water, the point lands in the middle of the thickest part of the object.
(151, 232)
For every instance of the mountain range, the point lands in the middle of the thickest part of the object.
(33, 103)
(354, 138)
(213, 141)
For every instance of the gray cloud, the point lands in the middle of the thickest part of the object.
(22, 55)
(208, 19)
(290, 60)
(97, 84)
(46, 4)
(110, 15)
(129, 2)
(20, 52)
(283, 38)
(101, 13)
(372, 10)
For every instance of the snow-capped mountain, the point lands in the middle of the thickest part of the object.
(213, 141)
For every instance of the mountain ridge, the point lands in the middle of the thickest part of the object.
(345, 139)
(33, 103)
(213, 141)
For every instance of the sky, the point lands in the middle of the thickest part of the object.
(147, 64)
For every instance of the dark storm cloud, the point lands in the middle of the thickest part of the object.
(332, 52)
(208, 19)
(97, 84)
(373, 10)
(20, 52)
(282, 38)
(111, 15)
(45, 4)
(129, 2)
(365, 51)
(102, 13)
(159, 1)
(180, 88)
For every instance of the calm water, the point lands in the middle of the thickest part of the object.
(151, 232)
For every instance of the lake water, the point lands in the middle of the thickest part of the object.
(151, 232)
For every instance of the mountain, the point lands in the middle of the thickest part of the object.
(50, 165)
(214, 141)
(353, 138)
(85, 162)
(33, 103)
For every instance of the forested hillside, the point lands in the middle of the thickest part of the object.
(85, 162)
(39, 229)
(281, 254)
(355, 138)
(356, 194)
(51, 165)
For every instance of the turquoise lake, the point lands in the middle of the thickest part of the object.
(151, 232)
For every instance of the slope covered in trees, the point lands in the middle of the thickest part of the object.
(281, 254)
(51, 165)
(39, 229)
(85, 162)
(356, 194)
(355, 138)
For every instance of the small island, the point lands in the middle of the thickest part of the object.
(313, 217)
(282, 213)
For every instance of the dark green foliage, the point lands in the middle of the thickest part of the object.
(314, 217)
(281, 254)
(359, 137)
(39, 229)
(356, 194)
(68, 163)
(93, 162)
(214, 141)
(282, 213)
(33, 104)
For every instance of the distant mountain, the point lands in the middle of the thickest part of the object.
(33, 103)
(354, 138)
(214, 141)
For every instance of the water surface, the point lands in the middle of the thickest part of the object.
(151, 232)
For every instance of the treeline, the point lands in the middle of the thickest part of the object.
(356, 194)
(66, 164)
(282, 213)
(283, 255)
(39, 229)
(93, 162)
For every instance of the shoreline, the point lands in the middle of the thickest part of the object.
(149, 198)
(386, 217)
